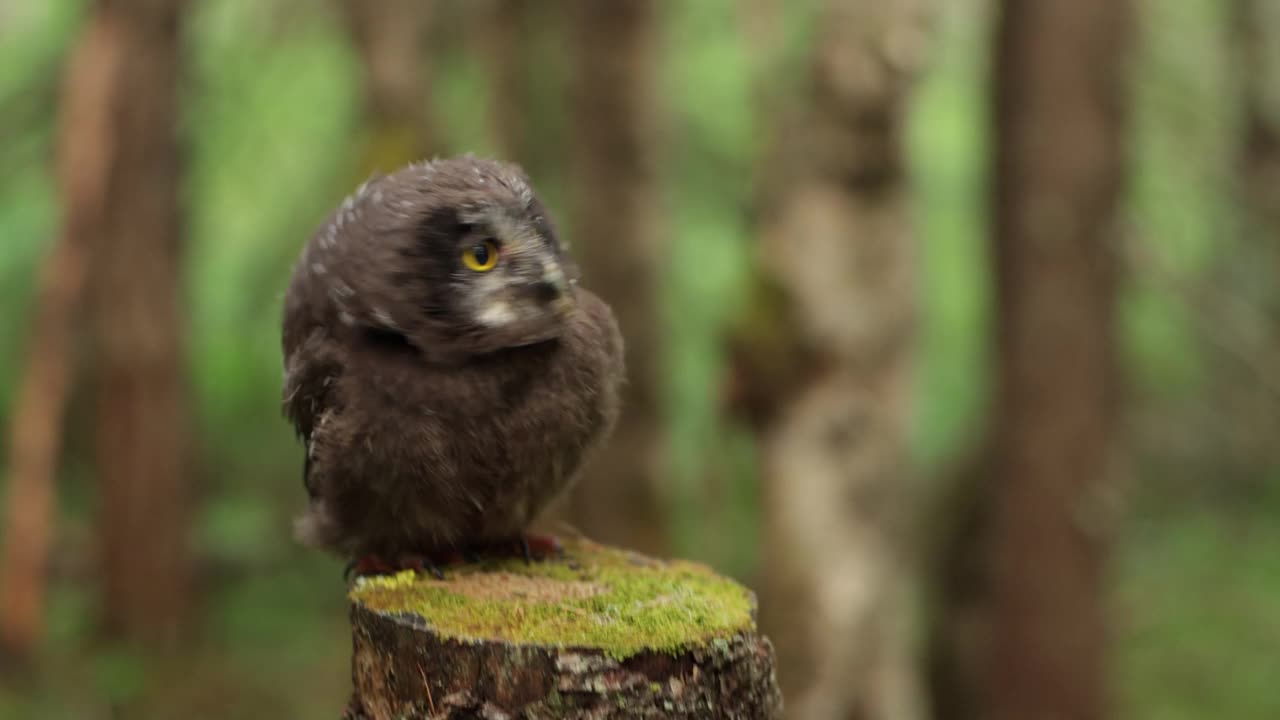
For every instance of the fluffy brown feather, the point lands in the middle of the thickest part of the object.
(442, 407)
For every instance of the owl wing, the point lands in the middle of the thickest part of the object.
(310, 396)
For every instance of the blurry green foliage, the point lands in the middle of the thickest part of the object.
(272, 106)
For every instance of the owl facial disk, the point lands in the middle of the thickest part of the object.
(518, 293)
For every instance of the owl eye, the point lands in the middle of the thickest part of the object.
(481, 257)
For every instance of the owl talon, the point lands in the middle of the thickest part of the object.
(536, 546)
(366, 565)
(421, 564)
(371, 564)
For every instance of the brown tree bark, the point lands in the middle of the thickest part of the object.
(142, 417)
(957, 525)
(391, 39)
(1256, 36)
(87, 154)
(613, 219)
(1251, 269)
(502, 35)
(822, 368)
(1253, 29)
(1059, 174)
(404, 671)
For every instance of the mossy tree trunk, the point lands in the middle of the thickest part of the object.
(598, 634)
(402, 671)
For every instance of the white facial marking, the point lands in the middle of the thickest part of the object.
(497, 314)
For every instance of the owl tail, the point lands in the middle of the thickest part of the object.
(315, 528)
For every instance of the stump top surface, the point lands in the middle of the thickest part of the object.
(594, 597)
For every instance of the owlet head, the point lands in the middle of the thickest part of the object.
(457, 255)
(512, 284)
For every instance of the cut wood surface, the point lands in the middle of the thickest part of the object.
(597, 633)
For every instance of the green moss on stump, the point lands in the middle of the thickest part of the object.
(594, 597)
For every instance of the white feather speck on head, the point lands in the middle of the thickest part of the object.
(384, 318)
(526, 194)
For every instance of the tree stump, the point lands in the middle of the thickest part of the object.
(597, 633)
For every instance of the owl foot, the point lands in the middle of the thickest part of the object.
(537, 546)
(421, 564)
(373, 564)
(530, 546)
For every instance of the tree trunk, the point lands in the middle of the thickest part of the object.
(1059, 120)
(600, 634)
(959, 589)
(1252, 267)
(1259, 149)
(86, 150)
(823, 369)
(613, 220)
(142, 419)
(503, 42)
(390, 38)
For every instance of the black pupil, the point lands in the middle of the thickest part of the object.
(481, 254)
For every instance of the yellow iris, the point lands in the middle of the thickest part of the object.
(481, 257)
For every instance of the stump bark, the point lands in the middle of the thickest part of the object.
(598, 633)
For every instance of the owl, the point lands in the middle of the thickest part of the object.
(444, 369)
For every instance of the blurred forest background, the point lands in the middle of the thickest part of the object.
(954, 327)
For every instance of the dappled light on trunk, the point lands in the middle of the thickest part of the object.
(824, 359)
